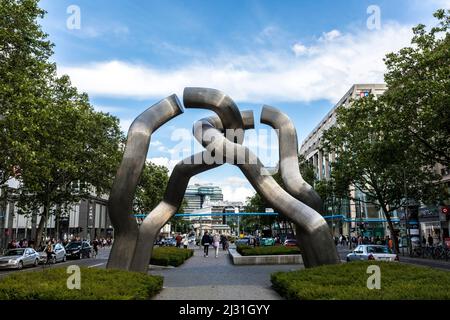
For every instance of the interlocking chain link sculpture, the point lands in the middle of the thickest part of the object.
(222, 137)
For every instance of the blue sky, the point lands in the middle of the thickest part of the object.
(299, 56)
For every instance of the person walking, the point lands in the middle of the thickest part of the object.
(206, 241)
(185, 242)
(430, 240)
(224, 243)
(178, 239)
(49, 251)
(95, 245)
(216, 242)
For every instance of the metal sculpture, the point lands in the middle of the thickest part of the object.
(222, 137)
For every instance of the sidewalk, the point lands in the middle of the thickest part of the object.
(212, 278)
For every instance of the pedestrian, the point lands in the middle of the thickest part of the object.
(185, 242)
(206, 241)
(224, 243)
(390, 243)
(424, 241)
(49, 251)
(178, 238)
(216, 242)
(95, 244)
(430, 240)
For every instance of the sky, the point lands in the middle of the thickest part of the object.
(298, 56)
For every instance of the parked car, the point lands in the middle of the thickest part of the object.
(191, 239)
(171, 242)
(267, 242)
(59, 254)
(372, 252)
(290, 243)
(242, 241)
(79, 249)
(19, 258)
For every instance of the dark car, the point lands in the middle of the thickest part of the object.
(79, 250)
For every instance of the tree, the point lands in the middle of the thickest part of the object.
(69, 151)
(372, 157)
(418, 95)
(24, 74)
(63, 149)
(151, 188)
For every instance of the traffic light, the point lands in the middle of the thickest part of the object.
(445, 210)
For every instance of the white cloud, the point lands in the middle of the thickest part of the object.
(163, 161)
(108, 109)
(299, 49)
(326, 72)
(330, 36)
(237, 193)
(125, 124)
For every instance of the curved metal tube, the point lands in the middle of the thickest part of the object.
(173, 197)
(127, 177)
(229, 115)
(289, 167)
(314, 237)
(221, 104)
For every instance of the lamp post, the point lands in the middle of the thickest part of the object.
(408, 238)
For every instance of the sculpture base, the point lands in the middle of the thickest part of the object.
(238, 259)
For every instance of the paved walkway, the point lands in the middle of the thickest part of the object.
(212, 278)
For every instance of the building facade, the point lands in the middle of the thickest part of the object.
(350, 217)
(86, 219)
(347, 217)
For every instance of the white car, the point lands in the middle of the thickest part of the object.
(59, 254)
(372, 252)
(19, 258)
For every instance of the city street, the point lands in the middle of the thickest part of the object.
(98, 262)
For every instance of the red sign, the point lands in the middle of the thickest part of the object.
(445, 210)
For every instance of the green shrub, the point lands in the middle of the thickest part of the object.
(170, 256)
(349, 282)
(246, 250)
(96, 284)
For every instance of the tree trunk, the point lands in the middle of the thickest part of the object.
(40, 228)
(391, 229)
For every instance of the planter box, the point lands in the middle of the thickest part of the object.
(273, 259)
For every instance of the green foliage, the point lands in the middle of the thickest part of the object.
(349, 282)
(170, 256)
(96, 284)
(246, 250)
(373, 157)
(418, 98)
(64, 149)
(151, 188)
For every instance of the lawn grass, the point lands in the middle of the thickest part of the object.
(170, 256)
(95, 284)
(348, 281)
(245, 250)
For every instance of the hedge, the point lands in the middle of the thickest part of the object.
(95, 284)
(170, 256)
(246, 250)
(349, 282)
